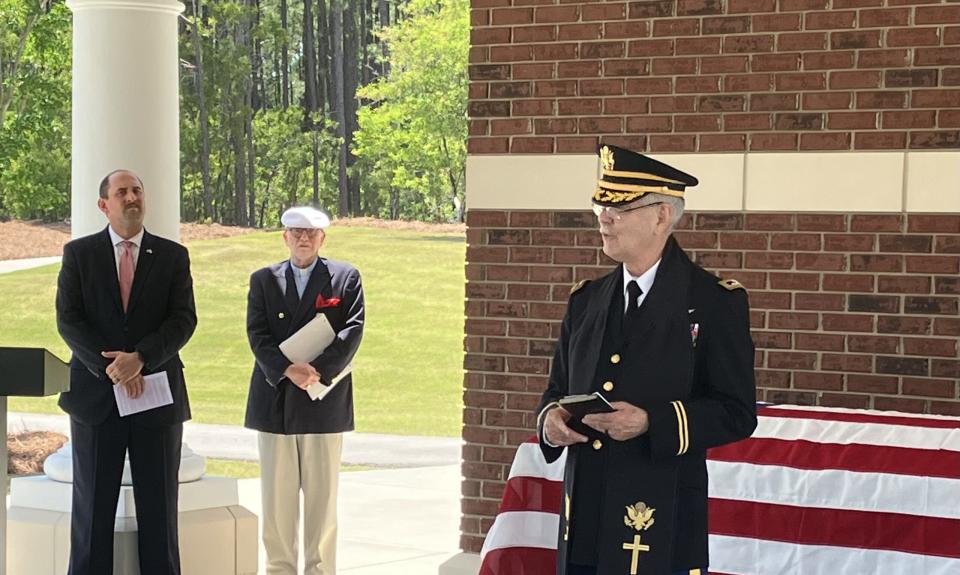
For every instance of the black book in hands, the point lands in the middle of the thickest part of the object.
(580, 405)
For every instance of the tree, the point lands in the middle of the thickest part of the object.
(412, 137)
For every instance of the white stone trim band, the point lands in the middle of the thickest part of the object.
(923, 182)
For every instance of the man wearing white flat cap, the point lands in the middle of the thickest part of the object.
(300, 439)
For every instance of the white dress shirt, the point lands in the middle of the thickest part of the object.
(644, 280)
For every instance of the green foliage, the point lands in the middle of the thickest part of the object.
(409, 370)
(35, 129)
(413, 131)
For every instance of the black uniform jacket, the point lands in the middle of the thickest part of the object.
(274, 312)
(160, 318)
(688, 361)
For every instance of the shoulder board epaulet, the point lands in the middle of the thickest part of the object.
(731, 284)
(579, 285)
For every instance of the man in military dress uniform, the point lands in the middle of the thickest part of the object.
(668, 344)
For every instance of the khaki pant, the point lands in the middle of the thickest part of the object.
(290, 464)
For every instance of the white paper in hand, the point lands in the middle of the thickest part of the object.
(309, 341)
(156, 393)
(317, 391)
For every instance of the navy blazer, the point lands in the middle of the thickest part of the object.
(274, 403)
(160, 318)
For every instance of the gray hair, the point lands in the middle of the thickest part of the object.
(675, 203)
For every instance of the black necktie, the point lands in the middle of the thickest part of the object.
(633, 295)
(293, 297)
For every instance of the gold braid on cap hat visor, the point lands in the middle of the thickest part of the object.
(641, 176)
(613, 192)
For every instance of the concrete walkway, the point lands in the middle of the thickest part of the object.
(26, 263)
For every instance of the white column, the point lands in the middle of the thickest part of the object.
(126, 107)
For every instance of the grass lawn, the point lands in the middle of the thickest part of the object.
(407, 375)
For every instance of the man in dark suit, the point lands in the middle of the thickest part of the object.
(125, 308)
(668, 344)
(300, 439)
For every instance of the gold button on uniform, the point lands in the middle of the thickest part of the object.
(608, 386)
(597, 444)
(615, 358)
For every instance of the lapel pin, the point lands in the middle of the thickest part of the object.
(149, 251)
(280, 315)
(691, 310)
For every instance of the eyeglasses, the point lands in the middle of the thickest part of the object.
(617, 213)
(300, 232)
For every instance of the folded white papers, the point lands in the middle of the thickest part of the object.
(306, 344)
(156, 393)
(318, 390)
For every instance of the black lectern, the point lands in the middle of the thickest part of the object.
(30, 372)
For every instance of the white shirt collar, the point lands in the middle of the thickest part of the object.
(644, 280)
(116, 239)
(305, 272)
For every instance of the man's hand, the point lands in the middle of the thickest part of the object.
(627, 422)
(555, 429)
(303, 375)
(133, 386)
(125, 366)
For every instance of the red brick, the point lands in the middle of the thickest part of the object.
(697, 84)
(856, 3)
(884, 18)
(808, 121)
(510, 90)
(480, 36)
(881, 99)
(937, 15)
(828, 61)
(565, 51)
(604, 12)
(556, 126)
(803, 5)
(776, 22)
(948, 118)
(880, 141)
(699, 7)
(606, 87)
(626, 105)
(824, 262)
(802, 41)
(846, 362)
(677, 27)
(744, 241)
(898, 58)
(830, 141)
(933, 264)
(579, 106)
(748, 44)
(949, 224)
(906, 243)
(858, 79)
(776, 379)
(905, 37)
(861, 39)
(873, 344)
(512, 16)
(556, 88)
(724, 64)
(649, 86)
(630, 67)
(930, 387)
(937, 57)
(793, 321)
(951, 35)
(872, 383)
(847, 322)
(848, 282)
(947, 245)
(626, 30)
(946, 326)
(580, 32)
(657, 9)
(722, 142)
(557, 14)
(739, 6)
(876, 263)
(478, 54)
(773, 340)
(748, 83)
(909, 119)
(687, 46)
(533, 71)
(821, 302)
(482, 17)
(648, 48)
(947, 285)
(649, 124)
(821, 222)
(726, 25)
(873, 303)
(930, 305)
(930, 347)
(487, 145)
(660, 105)
(534, 107)
(774, 102)
(945, 368)
(775, 62)
(719, 221)
(794, 281)
(773, 222)
(903, 284)
(601, 125)
(734, 122)
(845, 400)
(718, 260)
(852, 120)
(801, 81)
(489, 72)
(903, 324)
(673, 143)
(507, 273)
(674, 66)
(941, 139)
(818, 381)
(592, 50)
(830, 20)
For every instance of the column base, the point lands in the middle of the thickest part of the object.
(461, 564)
(218, 537)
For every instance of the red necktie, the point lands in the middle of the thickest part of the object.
(126, 272)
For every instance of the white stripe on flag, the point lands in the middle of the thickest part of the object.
(743, 556)
(522, 529)
(845, 432)
(833, 488)
(814, 409)
(529, 462)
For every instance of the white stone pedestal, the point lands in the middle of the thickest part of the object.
(461, 564)
(217, 535)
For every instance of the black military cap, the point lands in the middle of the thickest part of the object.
(628, 176)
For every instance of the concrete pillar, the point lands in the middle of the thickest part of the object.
(126, 109)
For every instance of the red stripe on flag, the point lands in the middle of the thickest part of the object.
(520, 561)
(803, 454)
(532, 494)
(836, 527)
(858, 417)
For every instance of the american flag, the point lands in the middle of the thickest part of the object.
(814, 491)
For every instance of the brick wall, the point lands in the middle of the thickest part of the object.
(553, 76)
(847, 310)
(850, 306)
